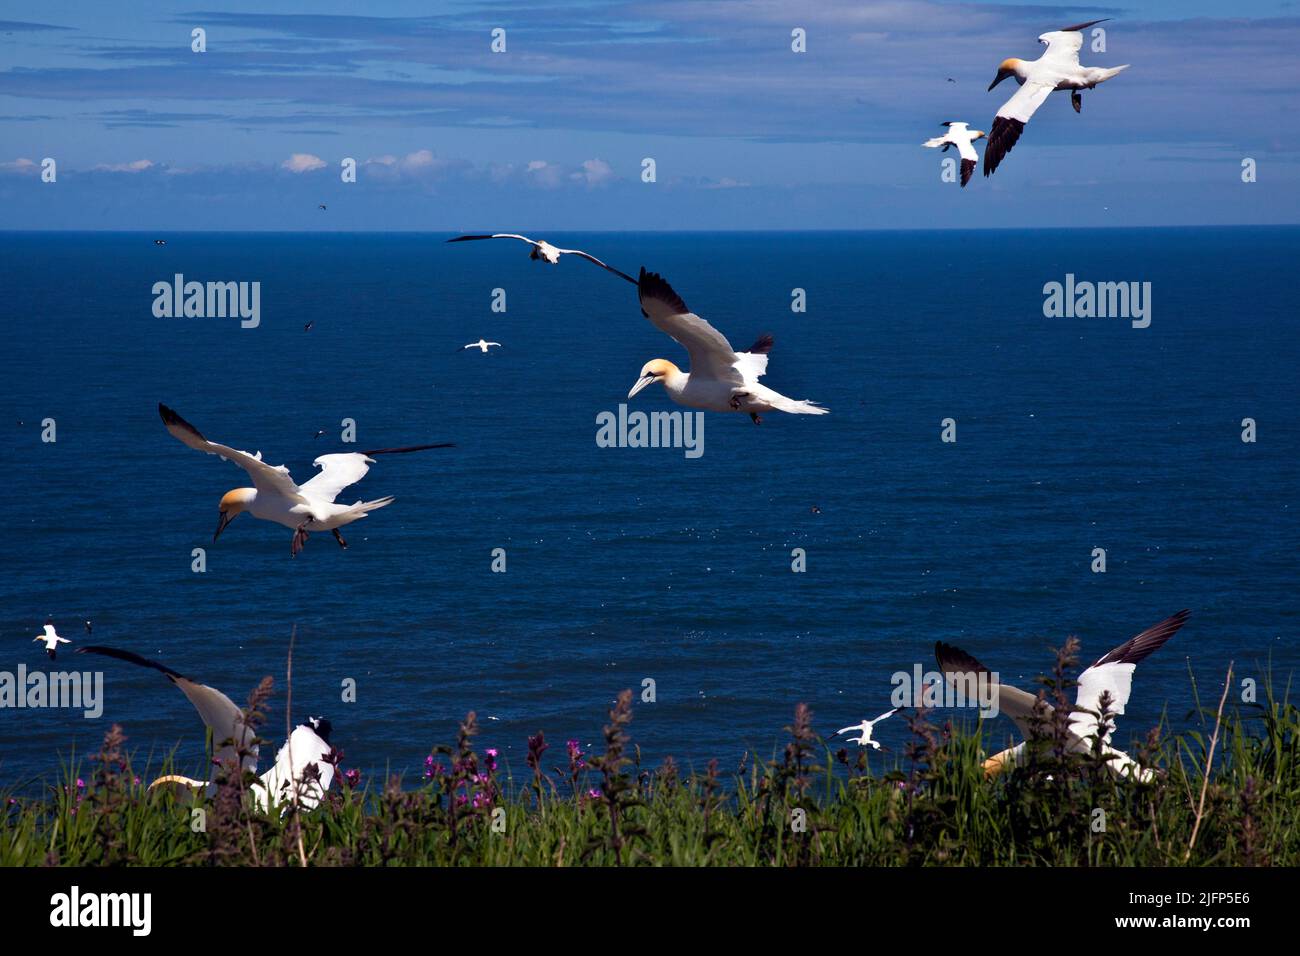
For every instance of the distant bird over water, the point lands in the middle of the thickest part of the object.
(481, 345)
(721, 379)
(865, 728)
(1112, 674)
(963, 137)
(546, 252)
(274, 495)
(160, 242)
(1057, 69)
(51, 640)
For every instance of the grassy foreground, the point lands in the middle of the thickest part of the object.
(808, 806)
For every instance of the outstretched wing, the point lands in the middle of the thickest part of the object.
(265, 477)
(496, 235)
(1113, 674)
(711, 354)
(220, 715)
(590, 258)
(340, 470)
(336, 473)
(1010, 122)
(960, 667)
(1063, 47)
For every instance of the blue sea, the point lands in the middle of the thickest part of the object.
(631, 563)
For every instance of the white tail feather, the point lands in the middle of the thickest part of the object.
(800, 407)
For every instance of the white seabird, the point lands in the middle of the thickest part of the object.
(1112, 674)
(274, 495)
(963, 137)
(481, 345)
(312, 765)
(721, 379)
(1057, 69)
(51, 639)
(546, 252)
(865, 729)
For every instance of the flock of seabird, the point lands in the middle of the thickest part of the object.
(1057, 69)
(720, 379)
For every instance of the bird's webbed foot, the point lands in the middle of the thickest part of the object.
(737, 399)
(755, 417)
(300, 537)
(1076, 100)
(339, 538)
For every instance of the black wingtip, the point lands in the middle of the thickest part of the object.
(946, 655)
(1139, 648)
(131, 658)
(1002, 139)
(763, 344)
(1082, 26)
(408, 448)
(170, 418)
(652, 285)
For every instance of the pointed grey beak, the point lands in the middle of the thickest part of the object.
(641, 383)
(1002, 75)
(224, 520)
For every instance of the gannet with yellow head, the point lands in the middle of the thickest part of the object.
(274, 495)
(311, 766)
(1057, 69)
(1112, 675)
(721, 379)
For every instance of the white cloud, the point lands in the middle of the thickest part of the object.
(303, 163)
(138, 166)
(421, 164)
(20, 166)
(726, 182)
(420, 159)
(544, 174)
(595, 172)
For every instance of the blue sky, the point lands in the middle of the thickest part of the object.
(551, 134)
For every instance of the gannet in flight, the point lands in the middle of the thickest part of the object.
(865, 727)
(721, 379)
(51, 639)
(481, 345)
(546, 252)
(274, 496)
(313, 760)
(961, 136)
(1057, 69)
(1113, 673)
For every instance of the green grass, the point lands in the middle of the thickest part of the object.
(806, 806)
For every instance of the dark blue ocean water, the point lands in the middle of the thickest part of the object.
(632, 563)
